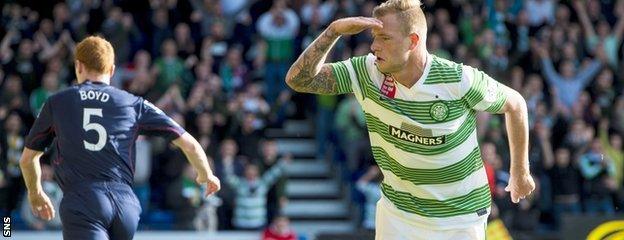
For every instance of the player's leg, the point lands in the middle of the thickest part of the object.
(84, 215)
(128, 211)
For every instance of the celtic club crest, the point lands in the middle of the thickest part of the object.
(439, 111)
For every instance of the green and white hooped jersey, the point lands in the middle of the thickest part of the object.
(425, 139)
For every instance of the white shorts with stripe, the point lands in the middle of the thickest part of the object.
(388, 226)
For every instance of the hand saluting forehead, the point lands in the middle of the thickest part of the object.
(355, 25)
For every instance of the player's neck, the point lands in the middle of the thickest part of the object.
(101, 78)
(414, 69)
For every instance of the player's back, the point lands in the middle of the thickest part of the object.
(96, 126)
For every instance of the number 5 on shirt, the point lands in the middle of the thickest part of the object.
(88, 125)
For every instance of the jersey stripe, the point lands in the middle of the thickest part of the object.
(341, 73)
(476, 92)
(417, 111)
(440, 192)
(443, 71)
(475, 200)
(397, 118)
(498, 104)
(452, 173)
(359, 64)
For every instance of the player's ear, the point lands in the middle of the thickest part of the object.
(78, 66)
(112, 70)
(414, 40)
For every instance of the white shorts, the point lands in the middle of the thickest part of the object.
(389, 227)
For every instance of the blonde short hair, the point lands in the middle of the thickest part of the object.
(96, 54)
(408, 13)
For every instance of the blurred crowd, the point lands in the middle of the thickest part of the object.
(218, 66)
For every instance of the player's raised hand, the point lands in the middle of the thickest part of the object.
(354, 25)
(213, 184)
(41, 205)
(520, 186)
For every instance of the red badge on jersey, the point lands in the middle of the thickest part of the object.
(388, 88)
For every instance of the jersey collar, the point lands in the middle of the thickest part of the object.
(94, 82)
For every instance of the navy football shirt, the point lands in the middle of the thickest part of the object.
(96, 126)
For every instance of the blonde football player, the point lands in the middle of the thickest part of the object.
(420, 111)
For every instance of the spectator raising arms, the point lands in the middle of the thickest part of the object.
(251, 194)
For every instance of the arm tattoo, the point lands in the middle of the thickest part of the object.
(308, 73)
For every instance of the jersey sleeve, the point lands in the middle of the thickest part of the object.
(343, 78)
(42, 132)
(482, 93)
(153, 121)
(353, 73)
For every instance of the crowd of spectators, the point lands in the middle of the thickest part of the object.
(217, 68)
